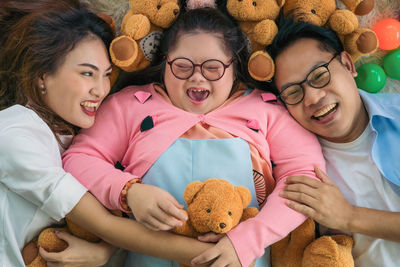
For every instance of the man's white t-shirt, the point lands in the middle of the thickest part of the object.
(351, 167)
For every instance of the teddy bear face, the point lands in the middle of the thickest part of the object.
(160, 12)
(217, 211)
(316, 12)
(253, 10)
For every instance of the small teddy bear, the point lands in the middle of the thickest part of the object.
(356, 41)
(257, 20)
(141, 30)
(50, 242)
(301, 249)
(215, 205)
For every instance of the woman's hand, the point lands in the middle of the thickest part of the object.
(154, 207)
(79, 253)
(322, 200)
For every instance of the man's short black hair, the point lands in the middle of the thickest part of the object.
(291, 31)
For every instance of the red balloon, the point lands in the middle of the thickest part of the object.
(388, 33)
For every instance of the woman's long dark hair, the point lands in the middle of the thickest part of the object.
(35, 37)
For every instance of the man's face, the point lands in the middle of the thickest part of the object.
(335, 112)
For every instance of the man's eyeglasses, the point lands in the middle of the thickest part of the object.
(212, 69)
(316, 78)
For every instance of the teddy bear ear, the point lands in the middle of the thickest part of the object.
(191, 190)
(244, 194)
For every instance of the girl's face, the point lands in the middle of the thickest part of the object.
(77, 88)
(196, 94)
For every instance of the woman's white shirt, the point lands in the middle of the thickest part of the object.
(35, 191)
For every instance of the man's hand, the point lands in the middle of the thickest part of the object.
(322, 200)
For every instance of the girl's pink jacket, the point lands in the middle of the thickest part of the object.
(256, 118)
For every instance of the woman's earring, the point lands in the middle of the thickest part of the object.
(43, 89)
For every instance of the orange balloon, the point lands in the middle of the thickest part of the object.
(388, 33)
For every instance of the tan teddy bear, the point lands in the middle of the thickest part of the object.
(50, 242)
(215, 205)
(141, 30)
(301, 249)
(257, 20)
(357, 41)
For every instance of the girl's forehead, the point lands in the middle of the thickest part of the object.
(200, 42)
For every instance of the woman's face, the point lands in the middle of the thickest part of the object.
(196, 94)
(77, 88)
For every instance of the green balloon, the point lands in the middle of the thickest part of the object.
(370, 78)
(391, 64)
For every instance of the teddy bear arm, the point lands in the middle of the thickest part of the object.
(362, 41)
(248, 213)
(359, 7)
(135, 26)
(261, 66)
(265, 31)
(186, 228)
(343, 22)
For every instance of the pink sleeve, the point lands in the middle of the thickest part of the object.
(95, 151)
(294, 151)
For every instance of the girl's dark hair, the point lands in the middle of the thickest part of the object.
(208, 20)
(35, 37)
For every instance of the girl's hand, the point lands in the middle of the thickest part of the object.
(322, 200)
(79, 253)
(154, 207)
(222, 254)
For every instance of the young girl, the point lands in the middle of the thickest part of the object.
(196, 124)
(54, 73)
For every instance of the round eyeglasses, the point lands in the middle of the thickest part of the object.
(316, 78)
(211, 69)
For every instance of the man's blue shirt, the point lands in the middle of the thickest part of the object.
(384, 118)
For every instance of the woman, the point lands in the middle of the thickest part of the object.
(54, 70)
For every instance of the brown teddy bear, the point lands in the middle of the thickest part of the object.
(215, 205)
(357, 41)
(50, 242)
(141, 29)
(257, 21)
(301, 249)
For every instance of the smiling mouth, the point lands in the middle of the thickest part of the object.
(325, 112)
(89, 106)
(198, 95)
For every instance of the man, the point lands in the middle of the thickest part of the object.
(360, 138)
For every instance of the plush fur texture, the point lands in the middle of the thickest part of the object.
(51, 243)
(357, 41)
(382, 9)
(301, 249)
(257, 21)
(215, 205)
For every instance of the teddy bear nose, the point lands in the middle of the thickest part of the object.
(222, 225)
(176, 12)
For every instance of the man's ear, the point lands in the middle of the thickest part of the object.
(348, 63)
